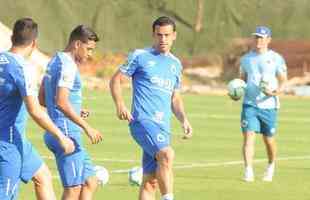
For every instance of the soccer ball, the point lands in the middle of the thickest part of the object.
(102, 175)
(135, 175)
(236, 88)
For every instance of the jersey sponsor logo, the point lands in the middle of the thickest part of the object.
(162, 83)
(160, 137)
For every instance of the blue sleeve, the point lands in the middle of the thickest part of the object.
(131, 65)
(281, 66)
(25, 80)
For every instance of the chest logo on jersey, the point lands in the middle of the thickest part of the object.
(173, 69)
(160, 137)
(269, 62)
(150, 63)
(3, 60)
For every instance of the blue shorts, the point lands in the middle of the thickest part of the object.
(74, 169)
(151, 138)
(16, 166)
(258, 120)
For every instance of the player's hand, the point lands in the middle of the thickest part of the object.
(84, 113)
(94, 135)
(187, 129)
(67, 144)
(124, 114)
(269, 92)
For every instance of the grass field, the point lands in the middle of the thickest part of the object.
(209, 166)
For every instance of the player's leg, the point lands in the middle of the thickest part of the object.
(43, 184)
(91, 181)
(164, 172)
(156, 151)
(70, 167)
(71, 193)
(250, 125)
(248, 154)
(268, 118)
(34, 169)
(148, 187)
(271, 148)
(10, 168)
(89, 188)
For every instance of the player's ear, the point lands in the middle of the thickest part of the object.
(269, 39)
(76, 44)
(175, 35)
(34, 44)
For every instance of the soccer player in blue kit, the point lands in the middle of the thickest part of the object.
(19, 160)
(156, 79)
(61, 93)
(259, 67)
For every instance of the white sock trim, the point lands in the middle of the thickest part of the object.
(168, 196)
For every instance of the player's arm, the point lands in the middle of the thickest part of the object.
(63, 103)
(42, 94)
(43, 120)
(242, 76)
(282, 78)
(179, 111)
(281, 75)
(116, 92)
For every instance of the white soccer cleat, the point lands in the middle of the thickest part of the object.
(268, 175)
(248, 175)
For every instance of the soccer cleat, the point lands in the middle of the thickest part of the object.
(269, 173)
(248, 175)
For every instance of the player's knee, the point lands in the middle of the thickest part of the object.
(150, 185)
(166, 157)
(43, 176)
(72, 192)
(91, 183)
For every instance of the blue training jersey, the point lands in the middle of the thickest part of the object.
(155, 77)
(62, 71)
(256, 67)
(16, 82)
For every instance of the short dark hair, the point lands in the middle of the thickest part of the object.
(163, 21)
(25, 31)
(83, 33)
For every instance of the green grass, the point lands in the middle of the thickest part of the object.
(217, 140)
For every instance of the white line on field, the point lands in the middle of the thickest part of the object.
(239, 162)
(102, 160)
(237, 117)
(201, 165)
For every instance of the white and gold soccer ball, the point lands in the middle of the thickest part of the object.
(236, 88)
(102, 175)
(135, 176)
